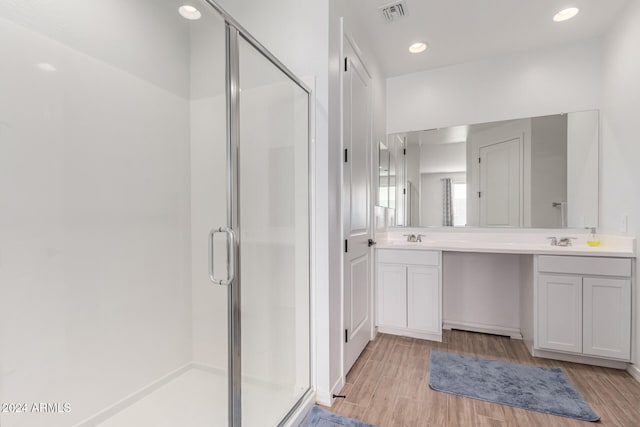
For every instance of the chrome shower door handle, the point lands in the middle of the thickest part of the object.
(231, 257)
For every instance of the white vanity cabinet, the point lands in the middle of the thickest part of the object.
(409, 293)
(583, 306)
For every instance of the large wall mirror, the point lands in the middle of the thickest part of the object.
(537, 172)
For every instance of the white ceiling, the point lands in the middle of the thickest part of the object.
(467, 30)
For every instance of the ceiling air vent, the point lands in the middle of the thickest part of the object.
(393, 11)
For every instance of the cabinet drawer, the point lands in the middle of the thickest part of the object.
(408, 256)
(620, 267)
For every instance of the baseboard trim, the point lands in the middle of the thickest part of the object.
(132, 398)
(325, 398)
(513, 333)
(410, 333)
(634, 371)
(576, 358)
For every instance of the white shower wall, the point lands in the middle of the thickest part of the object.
(94, 219)
(208, 191)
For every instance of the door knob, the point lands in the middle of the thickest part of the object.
(371, 242)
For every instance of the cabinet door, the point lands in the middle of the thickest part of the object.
(392, 295)
(560, 313)
(423, 302)
(607, 317)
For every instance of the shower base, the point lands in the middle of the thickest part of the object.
(198, 398)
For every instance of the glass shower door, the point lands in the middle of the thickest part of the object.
(273, 231)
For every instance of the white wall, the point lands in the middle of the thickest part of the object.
(208, 168)
(620, 149)
(94, 216)
(535, 83)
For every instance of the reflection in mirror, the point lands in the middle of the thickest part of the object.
(387, 182)
(383, 175)
(535, 172)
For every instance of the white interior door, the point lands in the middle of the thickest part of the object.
(356, 197)
(500, 184)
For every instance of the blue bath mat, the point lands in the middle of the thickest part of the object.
(318, 417)
(545, 390)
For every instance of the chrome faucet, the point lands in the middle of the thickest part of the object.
(565, 241)
(562, 241)
(414, 237)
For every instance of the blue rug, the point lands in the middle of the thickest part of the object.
(318, 417)
(545, 390)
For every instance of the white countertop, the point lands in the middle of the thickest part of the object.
(508, 243)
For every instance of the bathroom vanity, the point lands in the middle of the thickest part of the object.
(572, 302)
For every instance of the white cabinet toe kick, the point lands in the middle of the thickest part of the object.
(571, 308)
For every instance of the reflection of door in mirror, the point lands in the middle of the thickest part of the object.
(533, 172)
(496, 159)
(500, 194)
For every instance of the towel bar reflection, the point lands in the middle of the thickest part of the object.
(231, 259)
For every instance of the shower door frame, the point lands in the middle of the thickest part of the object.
(234, 32)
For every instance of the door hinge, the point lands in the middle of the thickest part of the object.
(346, 336)
(346, 245)
(404, 191)
(479, 160)
(404, 151)
(345, 155)
(479, 193)
(346, 62)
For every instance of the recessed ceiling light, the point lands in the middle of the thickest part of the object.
(44, 66)
(189, 12)
(418, 47)
(566, 14)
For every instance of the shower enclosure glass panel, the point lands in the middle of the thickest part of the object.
(113, 168)
(273, 188)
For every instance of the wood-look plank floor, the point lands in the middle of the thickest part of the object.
(389, 387)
